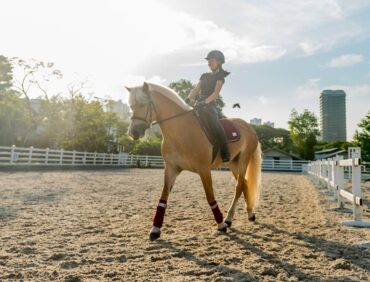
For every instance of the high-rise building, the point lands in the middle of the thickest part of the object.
(256, 121)
(333, 115)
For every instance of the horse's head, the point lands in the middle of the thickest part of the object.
(141, 106)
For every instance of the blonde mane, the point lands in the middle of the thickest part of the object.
(168, 93)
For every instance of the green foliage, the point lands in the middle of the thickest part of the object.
(362, 137)
(273, 137)
(14, 121)
(341, 145)
(6, 74)
(149, 146)
(183, 87)
(303, 131)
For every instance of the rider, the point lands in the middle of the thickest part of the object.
(206, 92)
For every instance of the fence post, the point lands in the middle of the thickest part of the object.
(330, 174)
(340, 183)
(94, 158)
(111, 158)
(356, 186)
(335, 176)
(73, 157)
(30, 154)
(47, 155)
(12, 154)
(103, 157)
(85, 156)
(61, 157)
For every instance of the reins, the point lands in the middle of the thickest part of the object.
(149, 113)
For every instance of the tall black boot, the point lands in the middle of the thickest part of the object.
(225, 154)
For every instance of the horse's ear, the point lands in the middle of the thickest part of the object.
(128, 89)
(146, 87)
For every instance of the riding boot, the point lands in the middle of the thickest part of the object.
(225, 154)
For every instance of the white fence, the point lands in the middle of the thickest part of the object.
(331, 172)
(18, 156)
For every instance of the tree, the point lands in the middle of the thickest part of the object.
(303, 131)
(13, 118)
(362, 137)
(34, 74)
(6, 73)
(149, 146)
(270, 137)
(183, 88)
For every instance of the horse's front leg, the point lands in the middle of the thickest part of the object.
(170, 174)
(208, 188)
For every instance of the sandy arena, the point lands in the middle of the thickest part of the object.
(94, 226)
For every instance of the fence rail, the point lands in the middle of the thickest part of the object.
(331, 172)
(19, 156)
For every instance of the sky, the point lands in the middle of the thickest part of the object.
(281, 54)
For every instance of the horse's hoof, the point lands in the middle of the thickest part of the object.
(228, 223)
(154, 236)
(224, 229)
(252, 218)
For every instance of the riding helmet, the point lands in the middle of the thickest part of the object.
(216, 54)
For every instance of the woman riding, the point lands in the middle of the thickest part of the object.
(205, 94)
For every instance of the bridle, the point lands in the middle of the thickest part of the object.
(148, 118)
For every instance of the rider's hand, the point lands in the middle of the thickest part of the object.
(201, 103)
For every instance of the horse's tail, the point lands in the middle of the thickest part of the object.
(253, 177)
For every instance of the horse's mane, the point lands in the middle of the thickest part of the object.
(168, 93)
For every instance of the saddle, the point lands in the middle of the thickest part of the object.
(231, 131)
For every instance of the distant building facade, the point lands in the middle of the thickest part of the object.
(256, 121)
(121, 109)
(333, 115)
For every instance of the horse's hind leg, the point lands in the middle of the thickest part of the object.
(170, 174)
(208, 188)
(231, 211)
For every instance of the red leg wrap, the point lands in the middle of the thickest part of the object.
(216, 212)
(159, 215)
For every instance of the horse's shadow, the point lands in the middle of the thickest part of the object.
(334, 250)
(340, 250)
(204, 263)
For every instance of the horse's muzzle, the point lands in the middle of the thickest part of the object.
(137, 129)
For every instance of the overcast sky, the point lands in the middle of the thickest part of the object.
(281, 54)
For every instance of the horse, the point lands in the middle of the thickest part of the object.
(186, 147)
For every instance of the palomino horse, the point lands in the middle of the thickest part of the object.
(186, 147)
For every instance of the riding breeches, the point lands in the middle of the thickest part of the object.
(210, 117)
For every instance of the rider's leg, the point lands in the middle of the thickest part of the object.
(218, 130)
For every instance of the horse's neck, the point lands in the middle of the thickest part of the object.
(165, 108)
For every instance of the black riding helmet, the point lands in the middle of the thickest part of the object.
(216, 54)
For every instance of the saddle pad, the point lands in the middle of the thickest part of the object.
(232, 133)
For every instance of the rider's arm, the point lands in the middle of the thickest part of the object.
(195, 92)
(215, 93)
